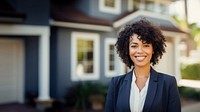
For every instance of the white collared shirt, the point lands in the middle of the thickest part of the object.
(137, 97)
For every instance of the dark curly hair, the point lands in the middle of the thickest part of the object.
(148, 33)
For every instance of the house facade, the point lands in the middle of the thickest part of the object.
(24, 50)
(50, 48)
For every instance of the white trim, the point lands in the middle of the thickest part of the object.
(130, 5)
(177, 67)
(189, 83)
(86, 36)
(43, 33)
(115, 10)
(29, 30)
(173, 34)
(109, 73)
(81, 26)
(145, 13)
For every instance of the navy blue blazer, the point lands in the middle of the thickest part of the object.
(162, 94)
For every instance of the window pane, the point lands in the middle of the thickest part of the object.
(110, 3)
(111, 57)
(89, 67)
(111, 67)
(136, 4)
(85, 56)
(90, 44)
(90, 56)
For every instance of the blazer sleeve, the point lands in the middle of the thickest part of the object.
(110, 98)
(174, 104)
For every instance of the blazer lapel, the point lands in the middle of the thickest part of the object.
(125, 91)
(151, 90)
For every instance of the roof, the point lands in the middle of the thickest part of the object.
(72, 14)
(8, 14)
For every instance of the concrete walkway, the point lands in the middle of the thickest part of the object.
(192, 108)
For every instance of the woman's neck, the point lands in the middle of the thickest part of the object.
(142, 72)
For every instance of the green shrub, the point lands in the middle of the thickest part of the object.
(190, 71)
(189, 93)
(78, 95)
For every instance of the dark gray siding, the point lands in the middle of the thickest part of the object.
(63, 61)
(53, 62)
(31, 66)
(83, 5)
(36, 11)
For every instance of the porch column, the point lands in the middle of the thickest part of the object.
(177, 57)
(44, 67)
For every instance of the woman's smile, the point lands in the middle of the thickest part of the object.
(140, 58)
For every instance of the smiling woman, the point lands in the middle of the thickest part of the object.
(143, 89)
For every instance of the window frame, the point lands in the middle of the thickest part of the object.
(115, 10)
(110, 73)
(74, 40)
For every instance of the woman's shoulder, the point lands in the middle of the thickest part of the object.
(166, 77)
(120, 78)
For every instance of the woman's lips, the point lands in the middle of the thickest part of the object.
(140, 58)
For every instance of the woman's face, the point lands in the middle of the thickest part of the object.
(140, 52)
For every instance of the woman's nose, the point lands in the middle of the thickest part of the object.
(139, 49)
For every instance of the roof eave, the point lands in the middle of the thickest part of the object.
(81, 26)
(138, 13)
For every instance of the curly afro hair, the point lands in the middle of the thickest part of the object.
(148, 32)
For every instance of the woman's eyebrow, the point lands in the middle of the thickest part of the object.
(145, 42)
(133, 43)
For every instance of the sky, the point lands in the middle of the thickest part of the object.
(193, 10)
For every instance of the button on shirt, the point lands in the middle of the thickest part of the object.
(137, 97)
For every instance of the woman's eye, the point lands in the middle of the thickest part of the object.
(133, 46)
(146, 45)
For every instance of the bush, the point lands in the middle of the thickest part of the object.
(190, 71)
(78, 96)
(189, 93)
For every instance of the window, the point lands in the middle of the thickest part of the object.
(113, 64)
(85, 57)
(110, 6)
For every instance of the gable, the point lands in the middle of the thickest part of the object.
(165, 22)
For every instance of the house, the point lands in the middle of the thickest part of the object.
(46, 47)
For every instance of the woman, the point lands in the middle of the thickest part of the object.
(140, 45)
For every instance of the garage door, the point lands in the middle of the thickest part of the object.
(11, 70)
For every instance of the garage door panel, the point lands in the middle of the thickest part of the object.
(8, 81)
(11, 70)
